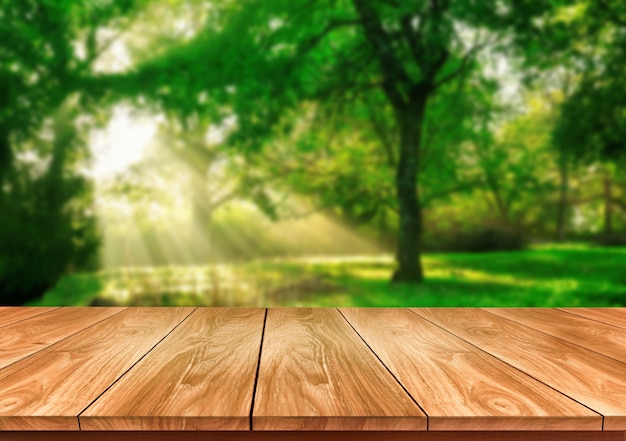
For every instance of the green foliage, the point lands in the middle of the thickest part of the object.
(39, 63)
(592, 124)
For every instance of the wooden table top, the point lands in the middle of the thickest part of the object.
(403, 370)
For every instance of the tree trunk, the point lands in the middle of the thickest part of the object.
(410, 229)
(408, 97)
(202, 213)
(6, 154)
(562, 207)
(64, 134)
(503, 208)
(608, 205)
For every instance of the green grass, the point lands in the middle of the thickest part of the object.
(571, 275)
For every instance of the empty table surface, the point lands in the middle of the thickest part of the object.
(412, 373)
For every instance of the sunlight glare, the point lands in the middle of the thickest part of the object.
(122, 143)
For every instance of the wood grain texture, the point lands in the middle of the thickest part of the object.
(611, 316)
(24, 338)
(458, 386)
(317, 377)
(12, 314)
(48, 390)
(592, 379)
(317, 374)
(596, 336)
(201, 377)
(314, 436)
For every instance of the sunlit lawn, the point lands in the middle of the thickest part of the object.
(543, 276)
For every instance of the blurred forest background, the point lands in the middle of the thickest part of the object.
(313, 152)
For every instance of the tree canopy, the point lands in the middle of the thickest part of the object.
(332, 53)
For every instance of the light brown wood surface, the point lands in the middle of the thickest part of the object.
(506, 374)
(592, 379)
(611, 316)
(201, 377)
(317, 374)
(589, 334)
(459, 386)
(24, 338)
(47, 390)
(10, 314)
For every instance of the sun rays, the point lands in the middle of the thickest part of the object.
(172, 209)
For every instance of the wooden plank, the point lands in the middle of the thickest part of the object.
(592, 379)
(201, 377)
(596, 336)
(458, 386)
(612, 316)
(317, 374)
(48, 390)
(314, 436)
(13, 314)
(24, 338)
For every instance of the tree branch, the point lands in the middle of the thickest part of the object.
(384, 137)
(331, 26)
(393, 71)
(214, 205)
(94, 53)
(438, 64)
(586, 200)
(619, 203)
(412, 38)
(465, 61)
(428, 198)
(345, 83)
(394, 3)
(613, 15)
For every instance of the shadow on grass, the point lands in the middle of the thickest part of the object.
(533, 278)
(581, 264)
(456, 293)
(434, 292)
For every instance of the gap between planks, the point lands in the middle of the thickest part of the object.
(258, 367)
(389, 370)
(327, 377)
(321, 435)
(459, 386)
(199, 378)
(134, 364)
(575, 372)
(25, 338)
(71, 373)
(477, 346)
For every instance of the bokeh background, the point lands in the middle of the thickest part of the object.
(324, 153)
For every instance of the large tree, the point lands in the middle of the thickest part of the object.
(592, 123)
(262, 61)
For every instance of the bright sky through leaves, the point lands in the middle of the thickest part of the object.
(122, 143)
